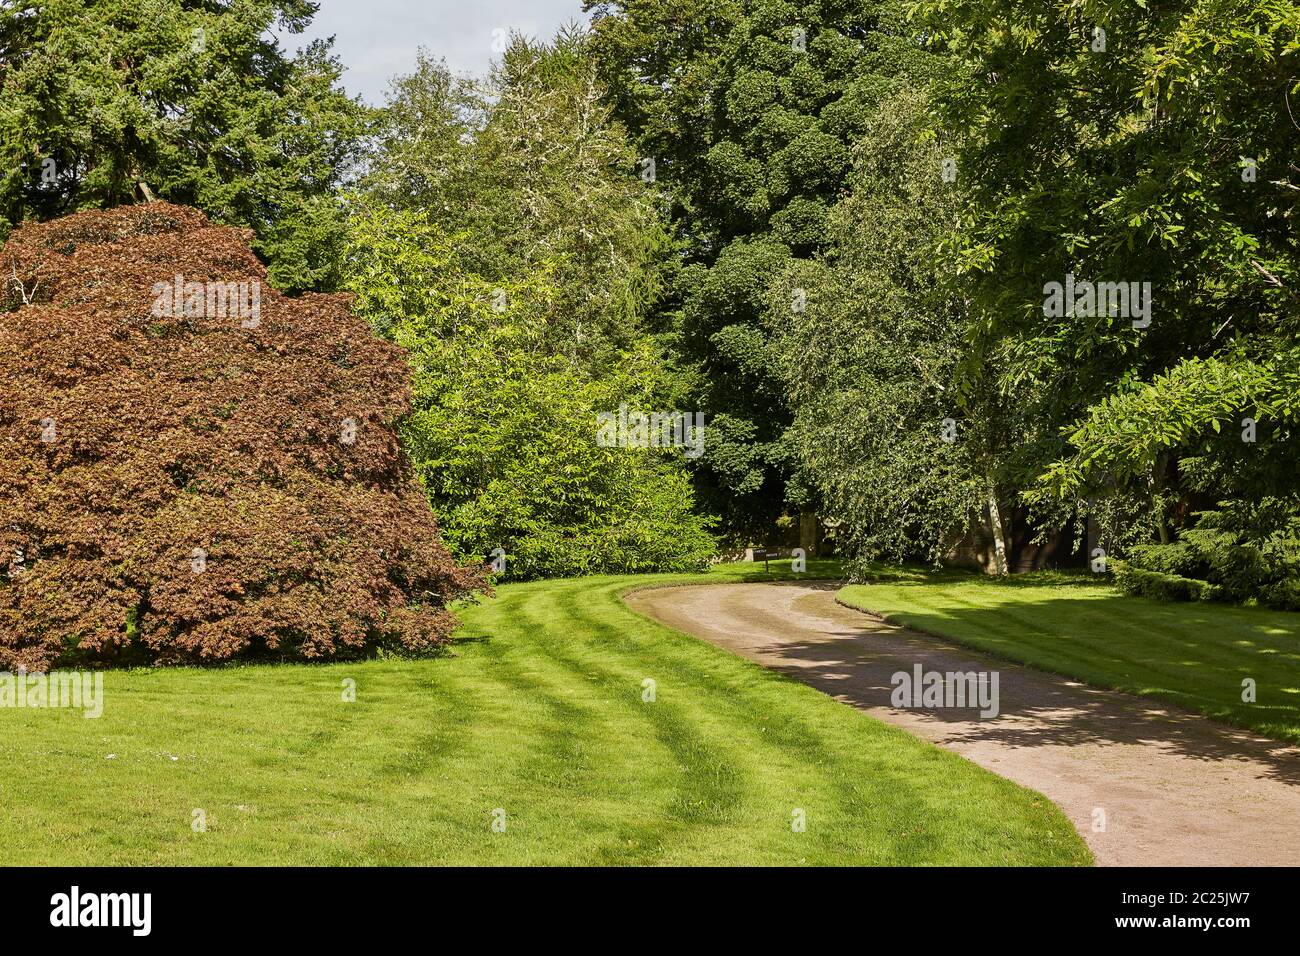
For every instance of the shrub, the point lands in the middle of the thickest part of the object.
(1161, 586)
(1180, 558)
(527, 474)
(1242, 552)
(1284, 595)
(192, 487)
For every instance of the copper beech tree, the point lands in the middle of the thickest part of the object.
(196, 467)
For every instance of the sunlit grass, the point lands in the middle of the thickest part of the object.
(538, 713)
(1194, 655)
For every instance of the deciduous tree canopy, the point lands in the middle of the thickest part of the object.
(748, 112)
(195, 474)
(514, 253)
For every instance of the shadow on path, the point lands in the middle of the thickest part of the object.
(1173, 788)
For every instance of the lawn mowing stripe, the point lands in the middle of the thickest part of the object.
(382, 783)
(1053, 653)
(716, 780)
(1057, 649)
(711, 707)
(848, 794)
(708, 776)
(521, 626)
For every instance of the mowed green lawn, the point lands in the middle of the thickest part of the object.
(539, 715)
(1191, 654)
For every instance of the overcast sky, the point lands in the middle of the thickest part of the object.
(378, 38)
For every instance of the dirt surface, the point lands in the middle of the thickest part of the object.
(1176, 789)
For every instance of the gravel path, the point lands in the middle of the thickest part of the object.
(1175, 789)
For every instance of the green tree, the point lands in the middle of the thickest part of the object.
(110, 102)
(1132, 142)
(528, 167)
(514, 253)
(747, 111)
(872, 335)
(505, 431)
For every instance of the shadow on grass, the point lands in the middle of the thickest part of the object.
(458, 639)
(924, 575)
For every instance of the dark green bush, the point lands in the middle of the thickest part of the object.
(1181, 558)
(1244, 552)
(1284, 595)
(1161, 586)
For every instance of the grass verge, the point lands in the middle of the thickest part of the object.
(1195, 655)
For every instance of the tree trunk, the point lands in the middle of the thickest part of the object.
(810, 537)
(999, 540)
(1158, 486)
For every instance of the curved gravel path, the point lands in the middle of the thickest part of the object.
(1175, 789)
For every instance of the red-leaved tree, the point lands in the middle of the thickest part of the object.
(194, 467)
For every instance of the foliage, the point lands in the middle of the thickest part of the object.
(1161, 586)
(1232, 419)
(1245, 552)
(109, 102)
(748, 111)
(1121, 162)
(514, 254)
(869, 358)
(187, 485)
(1164, 150)
(504, 432)
(530, 173)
